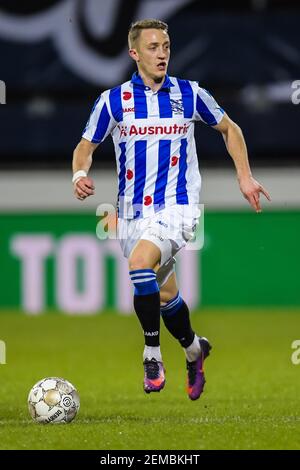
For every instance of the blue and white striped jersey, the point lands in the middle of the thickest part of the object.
(153, 135)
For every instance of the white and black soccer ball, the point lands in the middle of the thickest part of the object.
(53, 400)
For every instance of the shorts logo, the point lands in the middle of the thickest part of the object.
(160, 222)
(155, 235)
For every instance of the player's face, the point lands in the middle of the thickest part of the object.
(152, 53)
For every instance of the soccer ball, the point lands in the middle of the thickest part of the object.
(53, 400)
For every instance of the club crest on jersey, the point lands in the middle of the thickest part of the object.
(177, 106)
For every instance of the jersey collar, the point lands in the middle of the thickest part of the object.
(136, 80)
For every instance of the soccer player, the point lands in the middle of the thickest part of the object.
(151, 119)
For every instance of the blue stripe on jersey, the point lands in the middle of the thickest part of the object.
(140, 148)
(204, 112)
(122, 171)
(116, 103)
(102, 125)
(140, 102)
(165, 109)
(164, 153)
(187, 97)
(181, 192)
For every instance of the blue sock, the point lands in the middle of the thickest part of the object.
(176, 317)
(144, 281)
(172, 306)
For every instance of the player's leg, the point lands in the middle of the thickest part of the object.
(142, 260)
(176, 317)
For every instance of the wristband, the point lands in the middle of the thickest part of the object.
(78, 174)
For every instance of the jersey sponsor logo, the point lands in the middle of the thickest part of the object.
(128, 110)
(152, 130)
(127, 95)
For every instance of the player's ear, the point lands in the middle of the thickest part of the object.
(134, 55)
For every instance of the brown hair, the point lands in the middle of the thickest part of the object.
(136, 28)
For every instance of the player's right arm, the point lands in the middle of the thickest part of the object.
(82, 161)
(99, 126)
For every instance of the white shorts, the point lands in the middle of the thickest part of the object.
(170, 229)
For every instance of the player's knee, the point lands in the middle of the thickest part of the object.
(166, 296)
(139, 262)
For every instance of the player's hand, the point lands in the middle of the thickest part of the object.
(251, 190)
(84, 187)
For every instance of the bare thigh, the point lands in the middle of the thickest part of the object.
(169, 290)
(145, 255)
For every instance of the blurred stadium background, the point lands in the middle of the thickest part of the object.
(56, 58)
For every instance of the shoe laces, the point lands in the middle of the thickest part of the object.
(192, 371)
(151, 369)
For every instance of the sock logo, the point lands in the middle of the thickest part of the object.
(151, 333)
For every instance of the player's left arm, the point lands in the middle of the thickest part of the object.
(237, 149)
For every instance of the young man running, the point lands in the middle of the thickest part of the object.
(151, 119)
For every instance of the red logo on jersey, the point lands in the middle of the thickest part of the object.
(152, 130)
(129, 174)
(147, 200)
(127, 95)
(128, 110)
(123, 131)
(174, 161)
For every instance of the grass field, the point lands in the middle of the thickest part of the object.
(251, 399)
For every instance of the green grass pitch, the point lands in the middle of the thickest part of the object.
(251, 398)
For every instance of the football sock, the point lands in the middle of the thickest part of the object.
(192, 352)
(176, 317)
(146, 303)
(151, 352)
